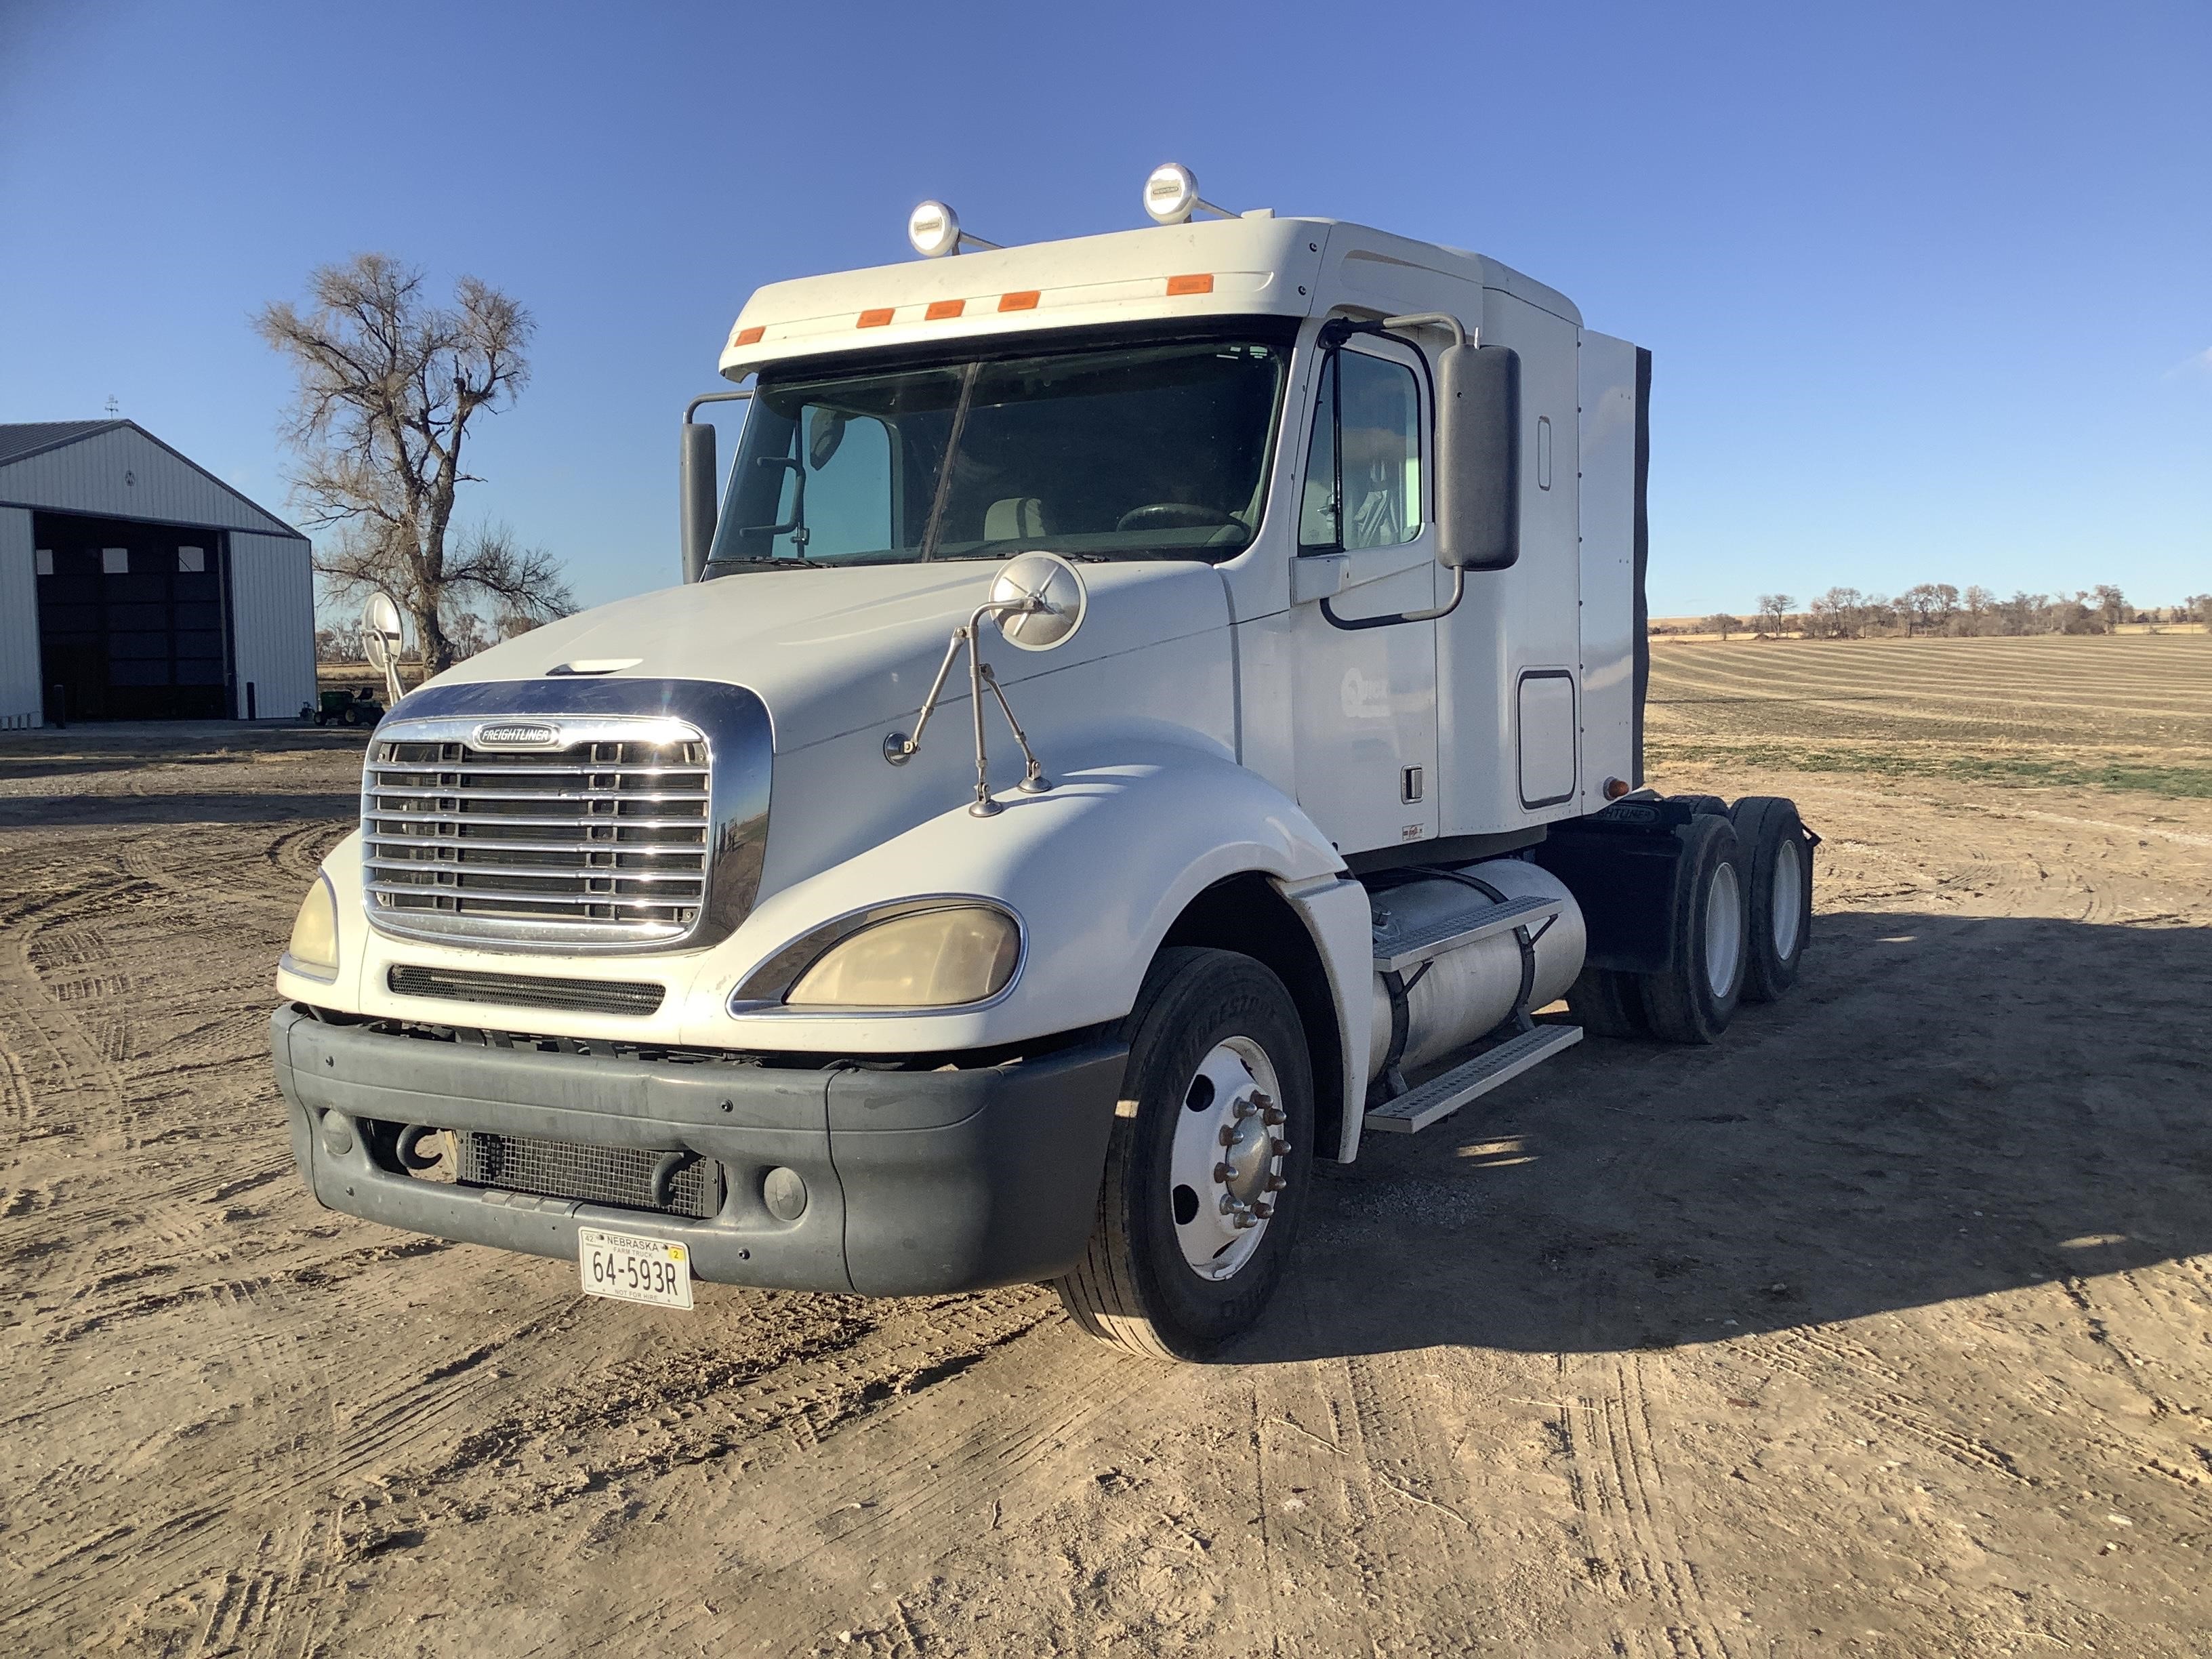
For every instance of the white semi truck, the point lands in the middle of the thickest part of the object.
(1143, 711)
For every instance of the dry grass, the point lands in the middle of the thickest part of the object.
(2125, 712)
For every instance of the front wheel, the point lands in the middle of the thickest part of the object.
(1208, 1164)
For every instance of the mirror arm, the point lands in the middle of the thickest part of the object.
(691, 409)
(1353, 624)
(698, 504)
(1429, 319)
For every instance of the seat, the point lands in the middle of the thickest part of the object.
(1012, 518)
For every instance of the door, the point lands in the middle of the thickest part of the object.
(130, 624)
(1366, 702)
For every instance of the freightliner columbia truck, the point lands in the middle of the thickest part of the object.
(1143, 713)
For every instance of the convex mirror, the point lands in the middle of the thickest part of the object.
(1046, 599)
(380, 636)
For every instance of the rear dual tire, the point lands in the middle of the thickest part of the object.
(1778, 855)
(1744, 916)
(1693, 998)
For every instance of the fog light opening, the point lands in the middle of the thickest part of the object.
(785, 1193)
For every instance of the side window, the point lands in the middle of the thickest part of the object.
(1363, 486)
(1317, 500)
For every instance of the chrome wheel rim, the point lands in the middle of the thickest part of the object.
(1788, 899)
(1723, 930)
(1226, 1168)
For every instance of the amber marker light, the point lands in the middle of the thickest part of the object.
(1616, 787)
(1198, 284)
(940, 309)
(1024, 301)
(750, 335)
(875, 318)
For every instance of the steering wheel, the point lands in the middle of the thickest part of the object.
(1172, 516)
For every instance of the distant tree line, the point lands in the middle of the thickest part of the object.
(1939, 608)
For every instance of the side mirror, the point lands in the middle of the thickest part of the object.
(695, 492)
(1478, 458)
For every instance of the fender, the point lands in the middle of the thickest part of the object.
(1097, 869)
(1338, 915)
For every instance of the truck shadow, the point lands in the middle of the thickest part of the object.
(1945, 1107)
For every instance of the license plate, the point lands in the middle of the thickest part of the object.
(631, 1267)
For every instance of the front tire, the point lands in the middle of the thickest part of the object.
(1208, 1164)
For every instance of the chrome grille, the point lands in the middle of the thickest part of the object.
(601, 836)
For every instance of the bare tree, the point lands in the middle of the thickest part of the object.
(1918, 605)
(1978, 602)
(1722, 623)
(388, 384)
(1773, 608)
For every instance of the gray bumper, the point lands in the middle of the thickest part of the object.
(916, 1181)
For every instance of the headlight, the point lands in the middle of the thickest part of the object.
(314, 947)
(925, 959)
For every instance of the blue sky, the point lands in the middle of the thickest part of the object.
(1928, 286)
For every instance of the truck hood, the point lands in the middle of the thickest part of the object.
(834, 651)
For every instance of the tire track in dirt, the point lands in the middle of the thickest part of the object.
(1358, 1487)
(173, 1551)
(1628, 1514)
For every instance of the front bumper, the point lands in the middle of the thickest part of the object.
(916, 1181)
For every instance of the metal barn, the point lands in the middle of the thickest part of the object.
(135, 584)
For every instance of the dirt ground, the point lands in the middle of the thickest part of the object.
(1879, 1330)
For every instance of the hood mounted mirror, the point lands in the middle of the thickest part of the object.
(1038, 600)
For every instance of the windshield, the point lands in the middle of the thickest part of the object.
(1123, 452)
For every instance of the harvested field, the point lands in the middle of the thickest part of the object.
(2130, 712)
(1879, 1330)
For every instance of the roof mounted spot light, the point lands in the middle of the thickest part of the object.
(934, 230)
(1172, 195)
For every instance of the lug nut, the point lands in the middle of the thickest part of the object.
(1229, 1203)
(1262, 1209)
(1272, 1115)
(1246, 1107)
(1280, 1147)
(1244, 1218)
(1224, 1173)
(1276, 1183)
(1228, 1136)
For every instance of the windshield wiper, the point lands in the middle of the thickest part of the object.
(930, 530)
(794, 561)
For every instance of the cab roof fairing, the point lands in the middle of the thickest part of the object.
(1254, 267)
